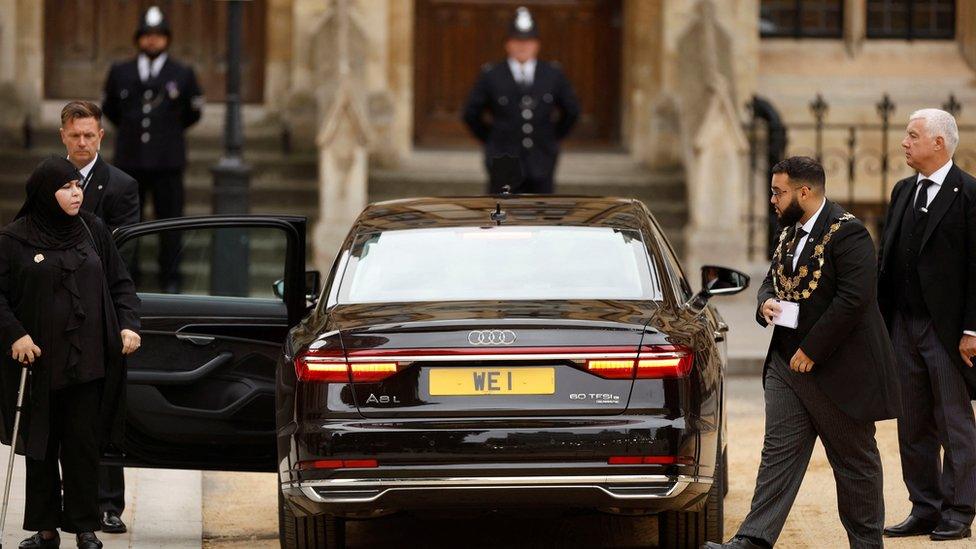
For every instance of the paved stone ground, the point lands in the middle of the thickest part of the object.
(163, 509)
(239, 510)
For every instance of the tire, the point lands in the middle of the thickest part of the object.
(317, 532)
(691, 529)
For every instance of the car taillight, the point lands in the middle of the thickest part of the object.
(658, 361)
(331, 367)
(338, 464)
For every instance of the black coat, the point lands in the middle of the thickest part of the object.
(946, 260)
(24, 304)
(497, 93)
(112, 195)
(152, 116)
(840, 326)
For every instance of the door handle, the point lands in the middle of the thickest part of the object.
(163, 377)
(195, 339)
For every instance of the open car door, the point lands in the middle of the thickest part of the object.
(201, 389)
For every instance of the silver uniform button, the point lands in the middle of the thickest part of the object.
(527, 143)
(526, 100)
(145, 137)
(503, 101)
(145, 122)
(527, 114)
(147, 94)
(146, 109)
(527, 128)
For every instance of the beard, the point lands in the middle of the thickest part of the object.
(152, 54)
(791, 214)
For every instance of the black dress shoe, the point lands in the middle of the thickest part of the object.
(38, 542)
(737, 542)
(112, 523)
(912, 526)
(87, 540)
(950, 529)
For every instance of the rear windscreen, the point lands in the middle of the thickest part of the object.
(498, 263)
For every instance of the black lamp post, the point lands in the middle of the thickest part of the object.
(231, 175)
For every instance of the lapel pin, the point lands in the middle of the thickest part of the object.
(99, 187)
(38, 258)
(955, 189)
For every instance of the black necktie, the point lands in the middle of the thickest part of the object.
(791, 251)
(922, 199)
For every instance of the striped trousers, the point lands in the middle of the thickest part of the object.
(797, 412)
(936, 413)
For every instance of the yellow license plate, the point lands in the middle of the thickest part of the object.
(492, 381)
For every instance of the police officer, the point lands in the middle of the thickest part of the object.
(521, 97)
(152, 99)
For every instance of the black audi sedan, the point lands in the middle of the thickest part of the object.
(463, 353)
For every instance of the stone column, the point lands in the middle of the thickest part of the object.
(344, 132)
(714, 145)
(966, 29)
(21, 65)
(855, 25)
(277, 71)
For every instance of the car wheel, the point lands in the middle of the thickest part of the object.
(317, 532)
(690, 530)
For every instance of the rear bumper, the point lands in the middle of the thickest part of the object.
(615, 493)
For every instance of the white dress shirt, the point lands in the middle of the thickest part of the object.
(85, 170)
(937, 178)
(150, 69)
(808, 227)
(524, 73)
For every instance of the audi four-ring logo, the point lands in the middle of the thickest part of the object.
(491, 337)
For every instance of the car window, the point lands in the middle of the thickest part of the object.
(498, 263)
(233, 262)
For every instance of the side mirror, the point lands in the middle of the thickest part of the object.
(313, 285)
(717, 281)
(723, 281)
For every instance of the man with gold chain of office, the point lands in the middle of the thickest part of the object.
(829, 370)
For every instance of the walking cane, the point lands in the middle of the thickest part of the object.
(13, 447)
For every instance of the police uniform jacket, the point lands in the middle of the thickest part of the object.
(151, 116)
(521, 120)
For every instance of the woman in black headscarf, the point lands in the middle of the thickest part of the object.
(68, 309)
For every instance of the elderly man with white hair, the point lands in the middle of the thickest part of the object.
(927, 293)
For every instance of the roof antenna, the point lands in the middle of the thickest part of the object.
(505, 173)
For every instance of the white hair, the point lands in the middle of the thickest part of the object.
(939, 123)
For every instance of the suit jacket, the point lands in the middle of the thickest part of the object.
(151, 116)
(946, 260)
(840, 325)
(518, 114)
(112, 195)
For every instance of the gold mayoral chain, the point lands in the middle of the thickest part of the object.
(788, 287)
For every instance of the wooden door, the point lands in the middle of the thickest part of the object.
(454, 38)
(82, 38)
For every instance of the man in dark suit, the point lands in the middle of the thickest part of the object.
(114, 197)
(521, 97)
(830, 368)
(152, 99)
(928, 296)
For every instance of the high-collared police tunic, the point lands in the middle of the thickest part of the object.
(152, 103)
(531, 109)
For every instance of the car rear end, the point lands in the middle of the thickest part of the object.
(474, 367)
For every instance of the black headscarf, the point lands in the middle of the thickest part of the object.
(41, 221)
